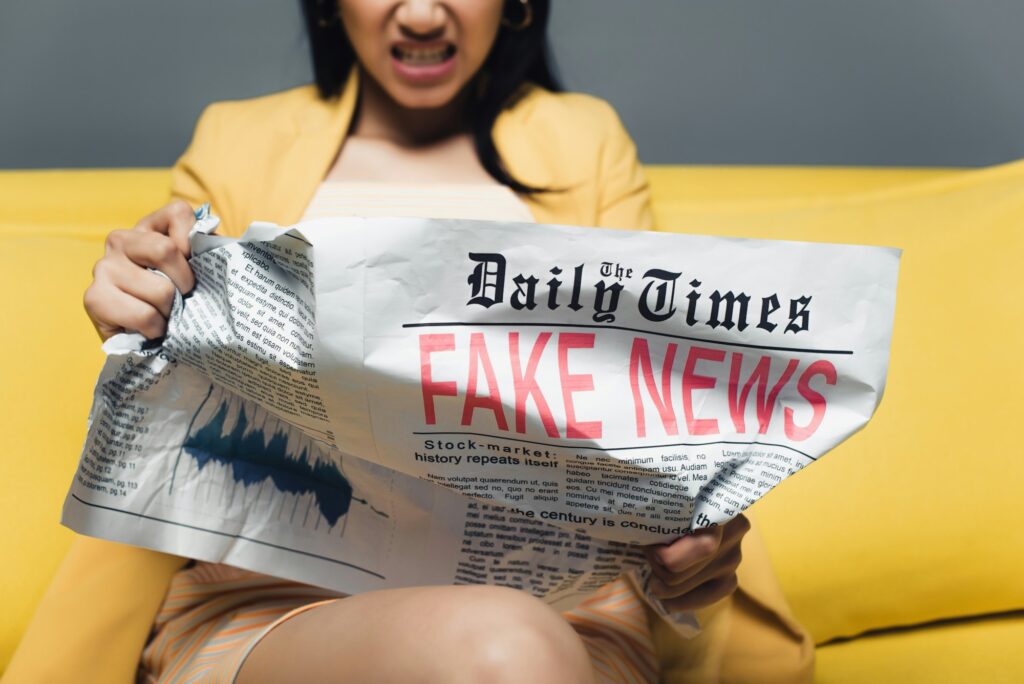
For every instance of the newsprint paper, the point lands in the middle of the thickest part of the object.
(371, 403)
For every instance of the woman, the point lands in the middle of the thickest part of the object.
(455, 96)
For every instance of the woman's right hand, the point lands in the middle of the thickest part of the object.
(124, 294)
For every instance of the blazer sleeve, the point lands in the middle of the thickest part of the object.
(93, 621)
(624, 196)
(192, 175)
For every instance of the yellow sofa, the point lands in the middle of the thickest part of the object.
(902, 551)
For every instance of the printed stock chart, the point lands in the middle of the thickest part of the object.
(265, 461)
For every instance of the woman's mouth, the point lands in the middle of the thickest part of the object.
(423, 62)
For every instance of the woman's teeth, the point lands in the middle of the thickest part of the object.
(423, 56)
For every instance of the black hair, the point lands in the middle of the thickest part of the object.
(516, 57)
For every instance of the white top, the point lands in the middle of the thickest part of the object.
(479, 201)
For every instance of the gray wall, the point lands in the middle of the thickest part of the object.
(862, 82)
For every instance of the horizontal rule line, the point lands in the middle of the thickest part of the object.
(626, 448)
(591, 326)
(227, 534)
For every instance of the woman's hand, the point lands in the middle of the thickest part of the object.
(124, 294)
(698, 569)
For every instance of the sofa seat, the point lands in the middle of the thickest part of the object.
(901, 551)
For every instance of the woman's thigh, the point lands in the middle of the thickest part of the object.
(423, 634)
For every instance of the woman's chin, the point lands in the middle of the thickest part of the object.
(434, 97)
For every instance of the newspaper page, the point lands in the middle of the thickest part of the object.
(372, 403)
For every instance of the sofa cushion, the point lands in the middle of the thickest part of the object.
(835, 550)
(980, 650)
(52, 226)
(50, 358)
(918, 517)
(86, 203)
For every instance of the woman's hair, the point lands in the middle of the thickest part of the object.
(516, 57)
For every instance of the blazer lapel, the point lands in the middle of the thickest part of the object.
(531, 155)
(303, 157)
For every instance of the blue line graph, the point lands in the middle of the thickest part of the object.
(268, 451)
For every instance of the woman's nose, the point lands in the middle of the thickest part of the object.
(423, 19)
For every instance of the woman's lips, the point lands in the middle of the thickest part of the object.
(423, 62)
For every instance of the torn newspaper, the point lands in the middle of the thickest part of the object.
(372, 403)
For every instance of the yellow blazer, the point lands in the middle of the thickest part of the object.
(262, 159)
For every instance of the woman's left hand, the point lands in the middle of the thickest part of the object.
(699, 569)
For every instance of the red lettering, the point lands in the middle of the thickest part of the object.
(526, 383)
(816, 400)
(478, 358)
(572, 383)
(765, 408)
(692, 381)
(640, 361)
(428, 345)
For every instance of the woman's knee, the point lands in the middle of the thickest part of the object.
(428, 634)
(507, 635)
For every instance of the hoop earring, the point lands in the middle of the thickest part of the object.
(524, 22)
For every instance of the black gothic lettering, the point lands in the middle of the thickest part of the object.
(662, 290)
(487, 281)
(604, 312)
(691, 307)
(524, 299)
(799, 316)
(769, 305)
(577, 288)
(553, 289)
(730, 300)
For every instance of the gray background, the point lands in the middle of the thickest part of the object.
(851, 82)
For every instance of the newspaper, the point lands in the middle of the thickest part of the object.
(371, 403)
